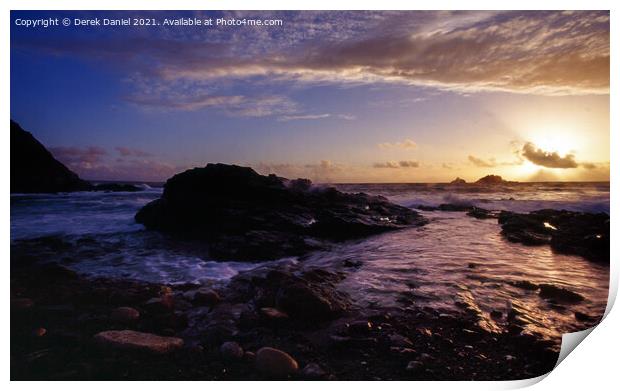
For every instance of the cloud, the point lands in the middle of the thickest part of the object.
(405, 144)
(96, 163)
(548, 159)
(126, 152)
(303, 117)
(400, 164)
(310, 117)
(481, 162)
(535, 52)
(76, 157)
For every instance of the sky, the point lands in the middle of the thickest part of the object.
(334, 96)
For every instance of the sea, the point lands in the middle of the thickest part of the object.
(454, 259)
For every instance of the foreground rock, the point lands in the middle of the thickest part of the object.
(584, 234)
(244, 215)
(307, 297)
(137, 341)
(275, 363)
(35, 170)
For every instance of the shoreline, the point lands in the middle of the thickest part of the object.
(56, 314)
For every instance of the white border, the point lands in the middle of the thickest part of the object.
(593, 365)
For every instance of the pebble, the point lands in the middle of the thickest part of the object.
(413, 366)
(399, 340)
(273, 314)
(231, 350)
(134, 340)
(313, 371)
(275, 363)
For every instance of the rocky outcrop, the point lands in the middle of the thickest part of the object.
(491, 180)
(244, 215)
(585, 234)
(458, 181)
(35, 170)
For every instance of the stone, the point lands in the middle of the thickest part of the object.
(566, 232)
(552, 292)
(275, 363)
(313, 371)
(492, 180)
(206, 296)
(414, 366)
(273, 314)
(400, 341)
(124, 315)
(231, 351)
(138, 341)
(242, 215)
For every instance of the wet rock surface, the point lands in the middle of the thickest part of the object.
(183, 339)
(244, 215)
(584, 234)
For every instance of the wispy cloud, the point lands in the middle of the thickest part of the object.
(405, 144)
(535, 52)
(395, 164)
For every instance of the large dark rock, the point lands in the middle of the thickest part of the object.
(491, 180)
(244, 215)
(34, 169)
(585, 234)
(458, 181)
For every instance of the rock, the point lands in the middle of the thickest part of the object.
(414, 366)
(161, 304)
(204, 296)
(480, 213)
(242, 215)
(360, 327)
(548, 291)
(313, 371)
(124, 315)
(273, 314)
(35, 170)
(584, 234)
(310, 302)
(496, 314)
(21, 304)
(458, 181)
(275, 363)
(524, 285)
(400, 341)
(492, 180)
(580, 316)
(231, 351)
(310, 297)
(137, 341)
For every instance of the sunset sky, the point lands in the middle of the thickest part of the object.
(333, 96)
